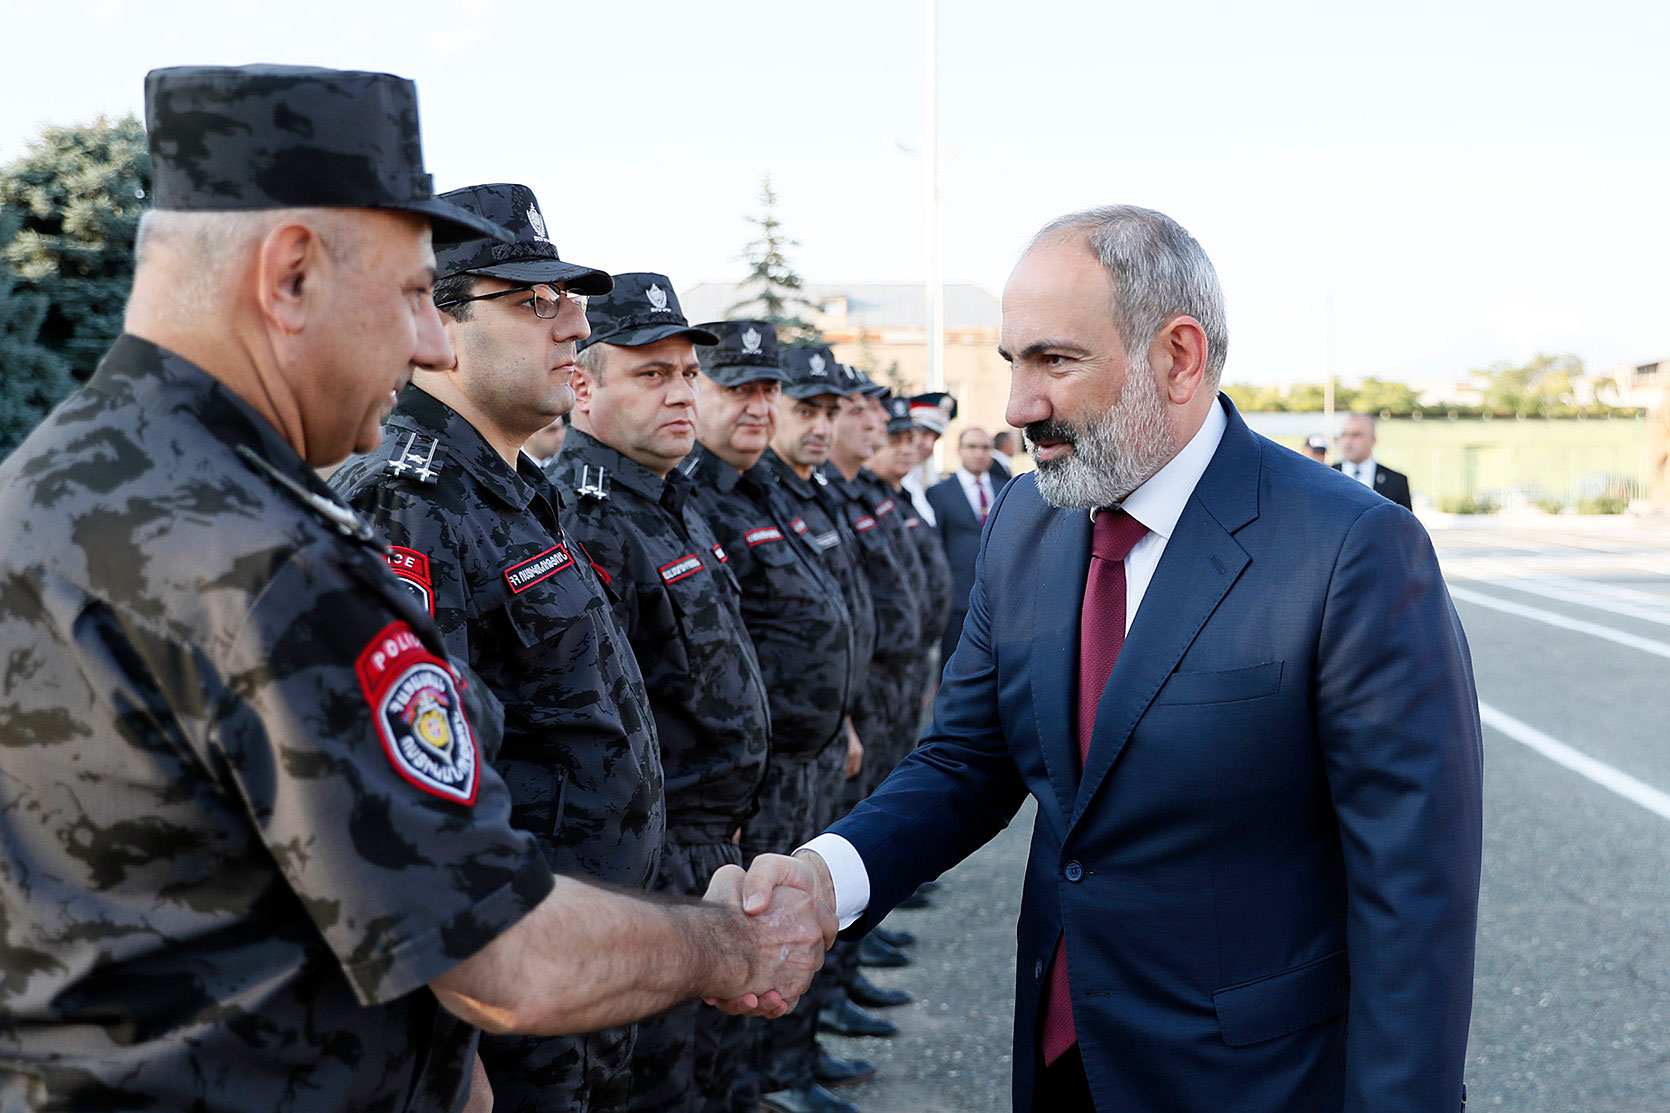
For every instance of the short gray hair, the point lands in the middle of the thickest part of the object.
(1158, 272)
(213, 241)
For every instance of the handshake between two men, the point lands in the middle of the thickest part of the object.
(589, 956)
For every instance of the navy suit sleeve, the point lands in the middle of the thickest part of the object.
(1397, 715)
(957, 790)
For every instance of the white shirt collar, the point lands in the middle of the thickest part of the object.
(1159, 502)
(1367, 467)
(970, 480)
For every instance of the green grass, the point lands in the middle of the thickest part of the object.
(1550, 461)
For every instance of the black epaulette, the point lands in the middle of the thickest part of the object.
(341, 517)
(594, 482)
(416, 458)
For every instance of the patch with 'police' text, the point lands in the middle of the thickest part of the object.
(682, 568)
(415, 703)
(411, 568)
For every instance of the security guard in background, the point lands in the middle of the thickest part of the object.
(798, 617)
(680, 606)
(252, 855)
(477, 534)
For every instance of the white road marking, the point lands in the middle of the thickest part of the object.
(1614, 780)
(1578, 625)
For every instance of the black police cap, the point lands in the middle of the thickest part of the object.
(811, 372)
(530, 256)
(898, 415)
(240, 138)
(641, 309)
(743, 352)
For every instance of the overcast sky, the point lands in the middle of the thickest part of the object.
(1463, 182)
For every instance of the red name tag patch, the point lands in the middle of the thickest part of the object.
(761, 535)
(419, 714)
(884, 509)
(798, 525)
(912, 523)
(682, 568)
(864, 524)
(522, 576)
(411, 568)
(719, 551)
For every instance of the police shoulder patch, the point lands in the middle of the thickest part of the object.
(411, 568)
(419, 715)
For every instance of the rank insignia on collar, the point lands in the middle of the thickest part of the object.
(594, 482)
(417, 458)
(819, 477)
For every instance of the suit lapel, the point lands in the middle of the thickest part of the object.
(1058, 598)
(1201, 563)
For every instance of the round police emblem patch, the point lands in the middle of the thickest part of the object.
(419, 715)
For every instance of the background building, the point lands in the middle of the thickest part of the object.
(883, 330)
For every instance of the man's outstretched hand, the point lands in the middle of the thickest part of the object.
(789, 904)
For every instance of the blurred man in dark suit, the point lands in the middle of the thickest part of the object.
(1356, 444)
(960, 505)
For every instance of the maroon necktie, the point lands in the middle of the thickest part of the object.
(1101, 634)
(985, 503)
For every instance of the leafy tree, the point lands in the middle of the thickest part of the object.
(78, 192)
(773, 287)
(32, 379)
(1546, 386)
(1378, 396)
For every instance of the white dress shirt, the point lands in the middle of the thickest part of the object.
(1363, 473)
(1157, 504)
(971, 490)
(914, 484)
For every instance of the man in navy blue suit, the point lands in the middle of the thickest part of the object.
(1237, 688)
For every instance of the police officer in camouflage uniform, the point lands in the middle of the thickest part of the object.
(680, 606)
(798, 617)
(891, 464)
(477, 533)
(247, 815)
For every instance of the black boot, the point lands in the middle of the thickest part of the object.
(894, 938)
(873, 952)
(828, 1070)
(847, 1019)
(808, 1097)
(868, 994)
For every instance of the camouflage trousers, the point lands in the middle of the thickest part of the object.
(800, 797)
(559, 1074)
(686, 1059)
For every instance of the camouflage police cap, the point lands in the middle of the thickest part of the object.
(898, 414)
(811, 372)
(529, 256)
(746, 352)
(934, 411)
(640, 310)
(241, 138)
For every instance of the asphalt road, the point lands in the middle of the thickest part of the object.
(1569, 623)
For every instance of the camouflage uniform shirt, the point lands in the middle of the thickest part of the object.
(481, 544)
(791, 603)
(244, 816)
(893, 578)
(681, 608)
(817, 508)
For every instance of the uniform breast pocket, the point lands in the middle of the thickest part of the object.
(543, 610)
(1223, 685)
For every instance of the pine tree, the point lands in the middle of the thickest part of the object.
(32, 379)
(773, 287)
(78, 193)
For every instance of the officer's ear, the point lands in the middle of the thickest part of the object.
(588, 372)
(287, 272)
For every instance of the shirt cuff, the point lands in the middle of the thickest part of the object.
(847, 873)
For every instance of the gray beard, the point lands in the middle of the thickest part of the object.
(1114, 453)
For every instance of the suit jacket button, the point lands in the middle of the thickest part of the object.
(1074, 872)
